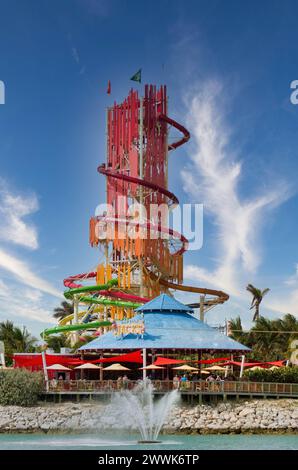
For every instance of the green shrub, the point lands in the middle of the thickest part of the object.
(282, 375)
(20, 387)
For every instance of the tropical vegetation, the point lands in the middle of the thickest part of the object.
(269, 340)
(257, 297)
(20, 387)
(16, 339)
(65, 309)
(56, 342)
(278, 375)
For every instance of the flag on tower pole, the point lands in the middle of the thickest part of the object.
(137, 77)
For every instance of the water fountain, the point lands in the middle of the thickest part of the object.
(147, 415)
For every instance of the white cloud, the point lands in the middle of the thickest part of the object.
(284, 298)
(17, 302)
(75, 55)
(25, 275)
(13, 208)
(99, 8)
(33, 295)
(4, 289)
(293, 280)
(285, 302)
(26, 310)
(214, 178)
(23, 293)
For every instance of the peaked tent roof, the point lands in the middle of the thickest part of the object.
(134, 356)
(164, 303)
(165, 361)
(167, 330)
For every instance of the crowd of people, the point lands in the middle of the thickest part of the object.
(181, 381)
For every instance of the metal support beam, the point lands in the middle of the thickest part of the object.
(75, 334)
(202, 312)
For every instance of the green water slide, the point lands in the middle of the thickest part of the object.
(115, 303)
(75, 327)
(69, 294)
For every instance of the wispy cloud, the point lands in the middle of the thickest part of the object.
(97, 8)
(293, 279)
(285, 297)
(17, 303)
(23, 292)
(75, 55)
(13, 209)
(22, 272)
(283, 302)
(214, 179)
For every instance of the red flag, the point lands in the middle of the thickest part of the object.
(109, 88)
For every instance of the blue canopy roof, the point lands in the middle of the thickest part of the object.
(164, 303)
(167, 329)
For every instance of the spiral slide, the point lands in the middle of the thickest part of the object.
(136, 168)
(75, 327)
(131, 301)
(172, 198)
(218, 296)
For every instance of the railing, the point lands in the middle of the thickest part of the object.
(163, 386)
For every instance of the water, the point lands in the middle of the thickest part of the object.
(146, 414)
(137, 409)
(130, 442)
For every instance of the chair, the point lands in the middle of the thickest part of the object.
(73, 385)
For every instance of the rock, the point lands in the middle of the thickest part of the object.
(248, 416)
(246, 412)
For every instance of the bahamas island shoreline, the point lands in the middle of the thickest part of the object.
(242, 417)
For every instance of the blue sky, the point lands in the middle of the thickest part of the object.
(228, 67)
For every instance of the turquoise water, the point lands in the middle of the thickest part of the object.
(169, 442)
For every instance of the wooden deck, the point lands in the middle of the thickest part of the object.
(95, 388)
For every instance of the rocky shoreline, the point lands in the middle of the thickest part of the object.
(255, 416)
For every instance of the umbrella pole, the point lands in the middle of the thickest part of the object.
(242, 365)
(101, 369)
(144, 363)
(45, 371)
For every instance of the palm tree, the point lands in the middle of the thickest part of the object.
(65, 309)
(263, 338)
(235, 328)
(6, 330)
(24, 341)
(16, 339)
(236, 331)
(258, 296)
(288, 323)
(57, 342)
(270, 340)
